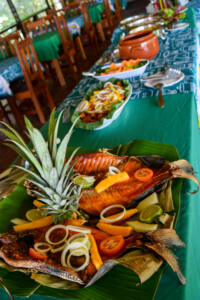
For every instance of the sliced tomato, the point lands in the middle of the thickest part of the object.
(37, 255)
(143, 174)
(112, 245)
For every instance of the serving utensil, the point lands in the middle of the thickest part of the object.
(161, 101)
(144, 21)
(169, 73)
(88, 74)
(131, 19)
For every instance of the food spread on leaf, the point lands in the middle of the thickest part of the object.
(91, 208)
(100, 102)
(125, 65)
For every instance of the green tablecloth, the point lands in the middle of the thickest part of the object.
(47, 45)
(95, 12)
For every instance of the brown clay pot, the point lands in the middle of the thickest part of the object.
(142, 44)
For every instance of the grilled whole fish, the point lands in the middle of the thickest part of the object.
(130, 192)
(14, 250)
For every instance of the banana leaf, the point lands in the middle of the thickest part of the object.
(120, 282)
(99, 86)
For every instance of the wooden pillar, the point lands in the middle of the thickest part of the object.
(16, 16)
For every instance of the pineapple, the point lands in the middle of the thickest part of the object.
(49, 176)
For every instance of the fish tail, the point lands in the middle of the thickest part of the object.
(169, 257)
(160, 242)
(166, 237)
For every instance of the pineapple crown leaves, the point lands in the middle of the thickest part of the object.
(50, 174)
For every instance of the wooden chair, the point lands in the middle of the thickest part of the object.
(108, 19)
(66, 39)
(72, 9)
(89, 29)
(118, 11)
(68, 53)
(40, 26)
(35, 83)
(11, 39)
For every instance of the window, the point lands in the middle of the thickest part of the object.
(6, 17)
(28, 8)
(57, 4)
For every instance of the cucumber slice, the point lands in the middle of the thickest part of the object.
(152, 199)
(142, 227)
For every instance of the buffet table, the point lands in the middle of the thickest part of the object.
(142, 119)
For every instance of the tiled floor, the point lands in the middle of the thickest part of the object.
(59, 93)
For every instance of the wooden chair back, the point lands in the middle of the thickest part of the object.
(40, 26)
(73, 9)
(4, 49)
(11, 39)
(28, 61)
(86, 17)
(108, 15)
(118, 10)
(34, 78)
(63, 30)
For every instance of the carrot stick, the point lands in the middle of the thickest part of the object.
(114, 229)
(95, 256)
(46, 221)
(75, 222)
(129, 213)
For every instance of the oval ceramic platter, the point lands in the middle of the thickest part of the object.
(125, 74)
(166, 82)
(178, 26)
(114, 112)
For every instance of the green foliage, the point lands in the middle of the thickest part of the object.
(24, 9)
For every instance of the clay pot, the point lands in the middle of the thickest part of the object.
(142, 44)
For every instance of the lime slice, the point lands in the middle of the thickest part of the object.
(151, 212)
(80, 240)
(152, 199)
(84, 181)
(34, 214)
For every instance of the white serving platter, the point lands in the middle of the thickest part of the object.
(166, 82)
(123, 75)
(116, 114)
(178, 26)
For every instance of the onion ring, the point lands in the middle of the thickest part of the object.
(106, 220)
(37, 247)
(59, 226)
